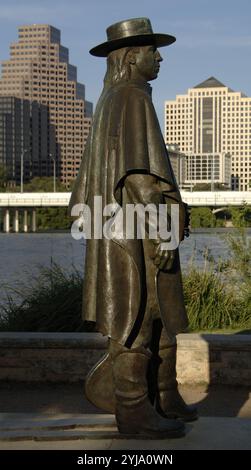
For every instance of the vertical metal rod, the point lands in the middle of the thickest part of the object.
(22, 172)
(54, 171)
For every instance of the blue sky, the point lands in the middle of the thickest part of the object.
(213, 38)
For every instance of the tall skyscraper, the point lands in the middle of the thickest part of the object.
(211, 123)
(26, 138)
(39, 71)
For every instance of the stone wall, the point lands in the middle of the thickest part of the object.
(214, 359)
(67, 357)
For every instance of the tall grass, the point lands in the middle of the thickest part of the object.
(219, 296)
(211, 304)
(51, 302)
(240, 268)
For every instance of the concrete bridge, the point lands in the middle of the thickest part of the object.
(27, 203)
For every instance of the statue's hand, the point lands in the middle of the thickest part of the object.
(163, 259)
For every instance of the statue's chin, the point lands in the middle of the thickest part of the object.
(154, 76)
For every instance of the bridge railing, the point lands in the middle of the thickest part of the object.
(34, 199)
(216, 198)
(198, 198)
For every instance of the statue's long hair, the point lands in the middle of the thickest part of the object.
(118, 66)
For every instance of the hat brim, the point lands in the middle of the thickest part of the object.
(159, 40)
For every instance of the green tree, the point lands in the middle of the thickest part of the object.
(53, 218)
(37, 185)
(202, 217)
(44, 184)
(241, 216)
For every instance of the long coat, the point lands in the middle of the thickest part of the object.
(125, 138)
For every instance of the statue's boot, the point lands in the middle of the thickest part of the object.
(99, 387)
(134, 413)
(169, 401)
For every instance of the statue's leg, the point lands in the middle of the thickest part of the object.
(134, 412)
(99, 386)
(169, 401)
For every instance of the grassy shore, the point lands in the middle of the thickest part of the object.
(218, 297)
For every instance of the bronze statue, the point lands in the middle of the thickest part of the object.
(133, 288)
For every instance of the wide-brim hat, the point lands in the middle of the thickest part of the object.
(132, 32)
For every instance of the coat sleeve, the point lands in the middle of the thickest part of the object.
(146, 190)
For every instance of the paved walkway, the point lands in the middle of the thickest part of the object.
(69, 398)
(89, 431)
(56, 416)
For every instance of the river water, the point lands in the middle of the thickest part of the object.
(21, 255)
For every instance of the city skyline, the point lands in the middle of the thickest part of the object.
(213, 38)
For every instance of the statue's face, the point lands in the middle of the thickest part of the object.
(147, 61)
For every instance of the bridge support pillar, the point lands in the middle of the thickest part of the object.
(25, 221)
(34, 222)
(6, 221)
(16, 221)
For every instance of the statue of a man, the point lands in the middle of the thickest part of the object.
(132, 287)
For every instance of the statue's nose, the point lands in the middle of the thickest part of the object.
(158, 56)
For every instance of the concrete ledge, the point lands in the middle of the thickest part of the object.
(67, 357)
(49, 357)
(53, 340)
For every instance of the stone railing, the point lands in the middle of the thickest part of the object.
(67, 357)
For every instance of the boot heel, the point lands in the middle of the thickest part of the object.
(126, 429)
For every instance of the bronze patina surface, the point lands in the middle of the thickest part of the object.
(132, 289)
